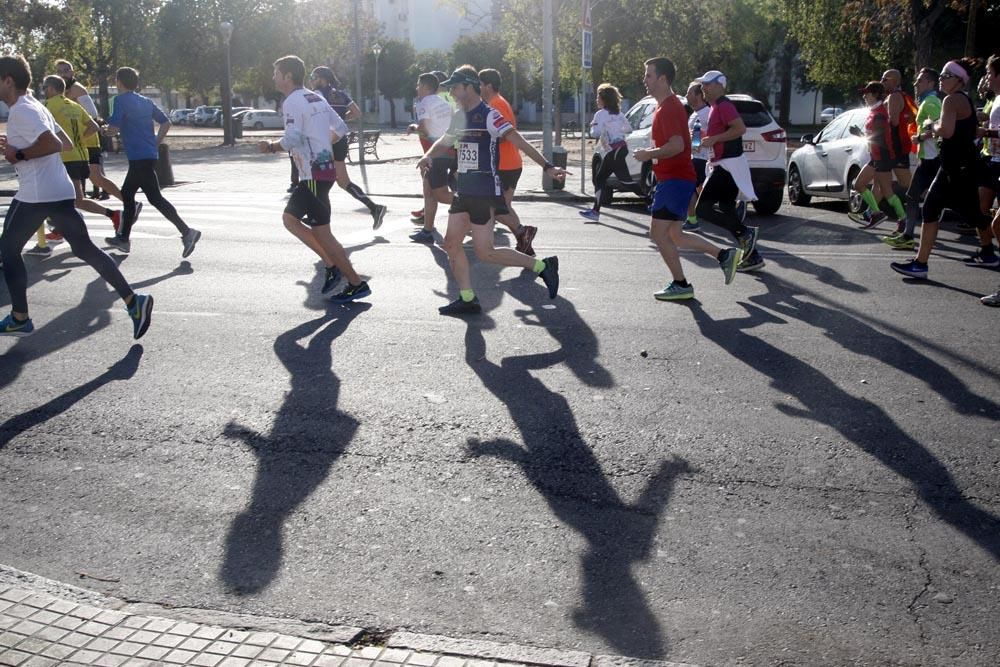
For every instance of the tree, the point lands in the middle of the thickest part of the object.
(394, 78)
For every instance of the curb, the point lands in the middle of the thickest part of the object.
(370, 644)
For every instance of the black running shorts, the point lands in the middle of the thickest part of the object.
(882, 166)
(441, 168)
(479, 209)
(340, 150)
(310, 202)
(94, 154)
(78, 170)
(509, 178)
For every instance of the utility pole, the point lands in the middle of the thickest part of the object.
(547, 79)
(357, 84)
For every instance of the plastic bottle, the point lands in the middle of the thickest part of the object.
(696, 135)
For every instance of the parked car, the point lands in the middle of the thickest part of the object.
(829, 113)
(263, 119)
(827, 163)
(179, 116)
(217, 117)
(763, 144)
(203, 115)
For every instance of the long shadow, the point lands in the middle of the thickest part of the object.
(857, 420)
(48, 269)
(295, 457)
(85, 319)
(561, 466)
(124, 369)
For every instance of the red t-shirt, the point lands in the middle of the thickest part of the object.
(670, 119)
(719, 118)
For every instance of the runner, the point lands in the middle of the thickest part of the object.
(927, 114)
(610, 128)
(700, 155)
(32, 144)
(310, 124)
(324, 81)
(675, 182)
(134, 116)
(475, 131)
(902, 117)
(78, 126)
(882, 153)
(433, 120)
(728, 173)
(77, 92)
(989, 185)
(510, 164)
(954, 186)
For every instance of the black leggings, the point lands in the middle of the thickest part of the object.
(142, 176)
(720, 190)
(21, 222)
(612, 163)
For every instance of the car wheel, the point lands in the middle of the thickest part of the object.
(258, 125)
(796, 192)
(854, 201)
(648, 183)
(768, 202)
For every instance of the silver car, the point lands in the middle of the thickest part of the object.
(827, 163)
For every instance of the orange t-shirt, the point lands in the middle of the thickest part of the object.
(510, 156)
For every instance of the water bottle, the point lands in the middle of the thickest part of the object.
(696, 135)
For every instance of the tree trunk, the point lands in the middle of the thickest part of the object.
(392, 112)
(923, 19)
(785, 66)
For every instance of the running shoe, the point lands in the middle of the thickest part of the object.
(116, 220)
(985, 258)
(901, 242)
(873, 220)
(741, 211)
(729, 261)
(39, 251)
(141, 313)
(691, 226)
(550, 275)
(378, 216)
(331, 279)
(423, 236)
(119, 244)
(417, 215)
(991, 299)
(755, 262)
(103, 196)
(911, 269)
(674, 292)
(12, 327)
(54, 236)
(748, 242)
(590, 214)
(459, 307)
(190, 238)
(963, 227)
(352, 293)
(291, 188)
(525, 239)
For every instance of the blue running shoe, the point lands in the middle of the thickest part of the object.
(749, 240)
(590, 214)
(141, 313)
(12, 327)
(423, 236)
(352, 293)
(911, 269)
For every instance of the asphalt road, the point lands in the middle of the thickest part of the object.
(800, 468)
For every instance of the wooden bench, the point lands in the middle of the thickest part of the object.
(370, 145)
(570, 129)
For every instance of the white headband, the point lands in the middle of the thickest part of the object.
(954, 68)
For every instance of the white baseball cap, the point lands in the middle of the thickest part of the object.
(712, 76)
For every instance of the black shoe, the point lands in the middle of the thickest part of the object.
(331, 279)
(378, 216)
(550, 275)
(459, 307)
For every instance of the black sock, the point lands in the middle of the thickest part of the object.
(988, 248)
(109, 213)
(359, 194)
(721, 254)
(681, 283)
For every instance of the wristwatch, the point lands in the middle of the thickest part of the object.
(20, 156)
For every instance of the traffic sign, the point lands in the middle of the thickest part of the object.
(588, 49)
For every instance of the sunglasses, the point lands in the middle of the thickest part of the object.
(947, 76)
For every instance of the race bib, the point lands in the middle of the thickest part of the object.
(468, 157)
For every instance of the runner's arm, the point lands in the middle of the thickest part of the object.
(161, 132)
(949, 114)
(353, 111)
(514, 137)
(46, 144)
(440, 147)
(895, 106)
(674, 146)
(92, 127)
(735, 130)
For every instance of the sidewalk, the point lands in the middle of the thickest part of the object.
(45, 623)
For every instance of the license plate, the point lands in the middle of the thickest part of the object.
(749, 146)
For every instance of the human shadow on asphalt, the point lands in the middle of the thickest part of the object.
(48, 269)
(562, 467)
(123, 369)
(85, 319)
(309, 433)
(859, 420)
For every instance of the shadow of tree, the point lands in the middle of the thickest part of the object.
(295, 457)
(858, 420)
(123, 369)
(561, 466)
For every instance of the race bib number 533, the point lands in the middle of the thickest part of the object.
(468, 157)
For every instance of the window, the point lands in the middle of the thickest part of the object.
(834, 129)
(640, 116)
(753, 113)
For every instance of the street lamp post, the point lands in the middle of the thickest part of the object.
(377, 50)
(226, 30)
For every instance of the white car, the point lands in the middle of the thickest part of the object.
(763, 144)
(179, 116)
(829, 113)
(263, 119)
(827, 164)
